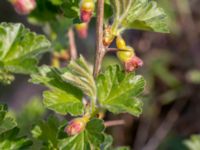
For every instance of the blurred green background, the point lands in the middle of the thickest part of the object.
(171, 68)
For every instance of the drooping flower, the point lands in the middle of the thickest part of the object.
(86, 8)
(133, 64)
(82, 30)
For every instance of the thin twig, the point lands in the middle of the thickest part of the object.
(72, 44)
(100, 50)
(114, 123)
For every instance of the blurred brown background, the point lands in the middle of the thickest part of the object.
(172, 70)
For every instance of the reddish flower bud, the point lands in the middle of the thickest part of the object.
(76, 126)
(82, 30)
(133, 64)
(24, 6)
(86, 8)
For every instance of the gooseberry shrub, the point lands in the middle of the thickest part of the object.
(75, 88)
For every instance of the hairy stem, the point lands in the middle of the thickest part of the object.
(100, 50)
(73, 50)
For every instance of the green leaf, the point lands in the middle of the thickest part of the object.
(49, 132)
(19, 48)
(70, 8)
(107, 144)
(6, 121)
(8, 132)
(81, 76)
(118, 91)
(89, 139)
(29, 114)
(10, 141)
(140, 14)
(46, 132)
(63, 98)
(46, 11)
(56, 2)
(193, 143)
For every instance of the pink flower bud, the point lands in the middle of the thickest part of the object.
(86, 8)
(24, 6)
(133, 64)
(86, 16)
(76, 126)
(82, 30)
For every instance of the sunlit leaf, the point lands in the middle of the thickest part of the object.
(62, 97)
(19, 48)
(119, 91)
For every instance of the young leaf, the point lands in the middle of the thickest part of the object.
(10, 141)
(118, 91)
(81, 76)
(89, 139)
(6, 121)
(63, 98)
(140, 14)
(19, 48)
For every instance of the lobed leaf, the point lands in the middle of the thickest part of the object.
(19, 48)
(63, 97)
(118, 92)
(9, 139)
(140, 14)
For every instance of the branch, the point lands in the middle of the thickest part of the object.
(114, 123)
(72, 44)
(100, 50)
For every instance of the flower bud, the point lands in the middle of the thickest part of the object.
(126, 54)
(86, 8)
(76, 126)
(82, 30)
(108, 37)
(24, 6)
(121, 44)
(133, 64)
(55, 62)
(64, 55)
